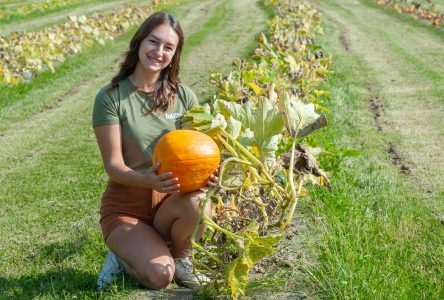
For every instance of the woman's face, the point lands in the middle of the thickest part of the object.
(157, 50)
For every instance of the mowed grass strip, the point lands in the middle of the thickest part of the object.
(51, 175)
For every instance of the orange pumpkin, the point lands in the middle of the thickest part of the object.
(191, 155)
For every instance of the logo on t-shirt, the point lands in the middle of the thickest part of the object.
(173, 116)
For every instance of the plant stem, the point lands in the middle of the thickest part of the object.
(252, 158)
(294, 194)
(199, 247)
(227, 146)
(222, 171)
(244, 150)
(293, 205)
(211, 223)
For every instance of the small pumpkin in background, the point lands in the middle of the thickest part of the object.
(191, 155)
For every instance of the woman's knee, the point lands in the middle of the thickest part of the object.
(192, 202)
(156, 275)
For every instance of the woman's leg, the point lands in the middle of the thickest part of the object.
(176, 218)
(144, 254)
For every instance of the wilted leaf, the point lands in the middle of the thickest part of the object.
(305, 163)
(292, 63)
(233, 175)
(237, 274)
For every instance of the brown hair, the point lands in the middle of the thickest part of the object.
(167, 85)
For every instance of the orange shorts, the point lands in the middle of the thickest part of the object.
(127, 204)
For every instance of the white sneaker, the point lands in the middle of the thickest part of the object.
(111, 268)
(185, 276)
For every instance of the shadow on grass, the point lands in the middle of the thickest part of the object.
(60, 251)
(51, 274)
(65, 283)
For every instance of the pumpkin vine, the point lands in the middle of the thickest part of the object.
(261, 116)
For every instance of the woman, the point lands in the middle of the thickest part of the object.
(146, 223)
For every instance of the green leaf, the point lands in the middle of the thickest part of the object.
(264, 122)
(237, 274)
(233, 127)
(200, 118)
(300, 119)
(260, 246)
(254, 248)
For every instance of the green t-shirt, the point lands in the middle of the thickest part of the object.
(126, 106)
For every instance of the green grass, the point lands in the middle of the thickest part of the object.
(379, 237)
(214, 22)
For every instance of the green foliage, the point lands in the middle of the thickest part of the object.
(263, 107)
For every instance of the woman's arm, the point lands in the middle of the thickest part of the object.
(109, 138)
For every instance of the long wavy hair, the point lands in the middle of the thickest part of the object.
(167, 85)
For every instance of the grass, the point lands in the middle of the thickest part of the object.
(379, 237)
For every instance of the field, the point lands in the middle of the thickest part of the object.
(379, 234)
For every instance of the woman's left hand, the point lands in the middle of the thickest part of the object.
(213, 180)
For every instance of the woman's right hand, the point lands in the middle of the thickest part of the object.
(161, 183)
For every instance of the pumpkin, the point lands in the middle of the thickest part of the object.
(191, 156)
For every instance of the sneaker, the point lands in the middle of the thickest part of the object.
(111, 268)
(185, 276)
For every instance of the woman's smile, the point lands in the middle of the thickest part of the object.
(158, 48)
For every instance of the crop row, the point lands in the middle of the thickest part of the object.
(419, 10)
(25, 54)
(262, 117)
(21, 9)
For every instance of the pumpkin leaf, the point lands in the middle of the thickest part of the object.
(292, 64)
(233, 175)
(233, 127)
(300, 119)
(252, 248)
(237, 274)
(200, 118)
(264, 122)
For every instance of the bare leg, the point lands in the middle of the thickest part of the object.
(144, 254)
(176, 218)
